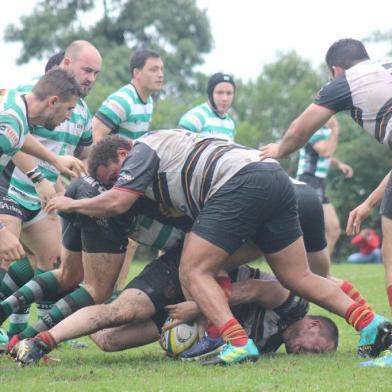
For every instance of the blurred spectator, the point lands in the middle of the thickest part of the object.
(368, 242)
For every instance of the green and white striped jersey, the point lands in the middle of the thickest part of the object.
(14, 126)
(61, 141)
(125, 113)
(202, 119)
(149, 232)
(310, 161)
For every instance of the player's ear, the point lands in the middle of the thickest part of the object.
(122, 153)
(52, 100)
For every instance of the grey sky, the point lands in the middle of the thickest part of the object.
(247, 33)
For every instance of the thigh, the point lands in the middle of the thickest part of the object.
(330, 216)
(290, 264)
(101, 272)
(159, 280)
(43, 238)
(311, 218)
(126, 336)
(386, 204)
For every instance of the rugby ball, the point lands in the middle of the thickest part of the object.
(178, 339)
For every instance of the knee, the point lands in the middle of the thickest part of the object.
(103, 340)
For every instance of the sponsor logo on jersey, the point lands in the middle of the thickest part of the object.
(10, 134)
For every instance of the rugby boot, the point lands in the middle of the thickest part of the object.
(205, 347)
(375, 337)
(234, 354)
(383, 361)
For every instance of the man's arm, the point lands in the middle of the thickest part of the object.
(299, 132)
(110, 203)
(100, 130)
(26, 163)
(68, 165)
(364, 210)
(268, 294)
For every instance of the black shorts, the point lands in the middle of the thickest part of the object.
(10, 207)
(81, 233)
(311, 218)
(160, 282)
(258, 203)
(386, 205)
(318, 184)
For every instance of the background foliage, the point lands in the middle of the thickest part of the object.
(180, 31)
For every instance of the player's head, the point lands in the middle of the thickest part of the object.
(344, 54)
(56, 94)
(107, 157)
(54, 60)
(220, 92)
(146, 68)
(84, 61)
(312, 334)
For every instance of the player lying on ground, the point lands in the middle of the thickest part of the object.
(272, 315)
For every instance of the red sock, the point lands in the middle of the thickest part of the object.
(213, 331)
(359, 316)
(225, 283)
(233, 333)
(354, 294)
(48, 339)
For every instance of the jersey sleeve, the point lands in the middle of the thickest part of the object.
(86, 138)
(336, 95)
(192, 121)
(139, 169)
(10, 133)
(114, 110)
(320, 135)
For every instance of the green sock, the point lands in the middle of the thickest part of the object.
(67, 305)
(43, 306)
(2, 273)
(42, 286)
(19, 273)
(18, 321)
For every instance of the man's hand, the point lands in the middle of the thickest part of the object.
(270, 151)
(356, 217)
(180, 313)
(70, 166)
(347, 170)
(60, 203)
(10, 247)
(45, 190)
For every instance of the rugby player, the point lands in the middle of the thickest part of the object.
(271, 314)
(362, 87)
(213, 117)
(22, 209)
(128, 113)
(232, 198)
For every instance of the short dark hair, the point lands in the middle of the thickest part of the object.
(105, 152)
(57, 82)
(54, 60)
(345, 53)
(139, 58)
(328, 329)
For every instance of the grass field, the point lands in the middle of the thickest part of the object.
(147, 369)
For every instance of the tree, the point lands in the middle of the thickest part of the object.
(268, 105)
(176, 28)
